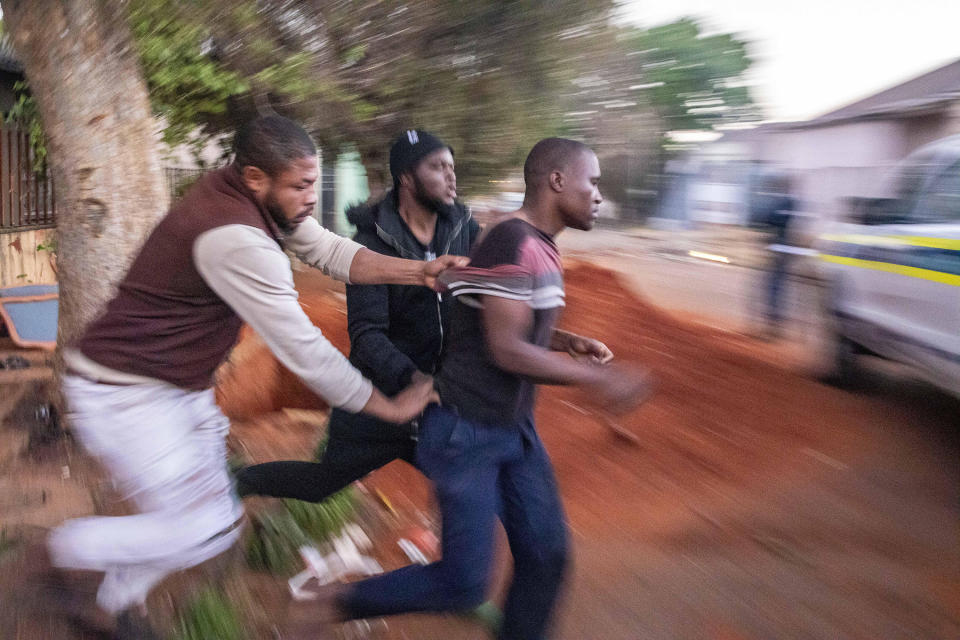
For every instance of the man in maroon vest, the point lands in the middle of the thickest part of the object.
(139, 381)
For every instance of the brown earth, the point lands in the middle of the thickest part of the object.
(750, 502)
(755, 502)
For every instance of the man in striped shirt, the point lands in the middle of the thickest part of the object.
(480, 446)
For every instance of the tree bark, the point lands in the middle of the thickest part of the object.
(102, 139)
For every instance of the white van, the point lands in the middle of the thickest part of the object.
(893, 276)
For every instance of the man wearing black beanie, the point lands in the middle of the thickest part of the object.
(396, 332)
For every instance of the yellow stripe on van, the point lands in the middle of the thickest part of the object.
(912, 272)
(952, 244)
(933, 243)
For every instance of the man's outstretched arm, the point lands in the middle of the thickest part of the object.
(250, 274)
(507, 324)
(351, 262)
(370, 267)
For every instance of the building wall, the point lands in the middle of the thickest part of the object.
(952, 124)
(21, 263)
(351, 188)
(718, 193)
(856, 144)
(832, 163)
(930, 128)
(829, 164)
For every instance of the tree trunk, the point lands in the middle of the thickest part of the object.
(85, 76)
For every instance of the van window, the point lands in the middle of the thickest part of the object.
(940, 202)
(911, 182)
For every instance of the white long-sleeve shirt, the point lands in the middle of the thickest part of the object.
(250, 272)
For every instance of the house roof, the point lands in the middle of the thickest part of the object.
(922, 94)
(8, 59)
(749, 135)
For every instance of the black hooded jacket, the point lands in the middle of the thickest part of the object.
(397, 329)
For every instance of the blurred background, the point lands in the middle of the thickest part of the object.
(779, 242)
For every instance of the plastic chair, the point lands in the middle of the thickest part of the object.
(30, 314)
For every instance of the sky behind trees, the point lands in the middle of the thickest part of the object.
(814, 56)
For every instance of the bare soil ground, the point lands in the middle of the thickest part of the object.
(754, 503)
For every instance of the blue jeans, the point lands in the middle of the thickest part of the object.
(776, 283)
(480, 471)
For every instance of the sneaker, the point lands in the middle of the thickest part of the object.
(488, 615)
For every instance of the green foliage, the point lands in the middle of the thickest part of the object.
(291, 75)
(181, 181)
(694, 81)
(489, 77)
(273, 543)
(7, 542)
(188, 88)
(489, 615)
(322, 520)
(26, 114)
(276, 536)
(210, 616)
(359, 72)
(322, 445)
(628, 87)
(50, 246)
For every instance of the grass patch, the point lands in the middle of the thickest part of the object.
(210, 616)
(322, 445)
(273, 543)
(7, 543)
(277, 535)
(320, 521)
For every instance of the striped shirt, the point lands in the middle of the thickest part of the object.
(517, 261)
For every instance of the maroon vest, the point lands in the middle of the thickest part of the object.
(165, 322)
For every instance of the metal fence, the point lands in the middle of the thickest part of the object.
(179, 180)
(26, 198)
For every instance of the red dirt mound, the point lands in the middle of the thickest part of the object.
(252, 382)
(746, 484)
(720, 417)
(716, 406)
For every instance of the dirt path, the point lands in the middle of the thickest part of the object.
(758, 504)
(755, 503)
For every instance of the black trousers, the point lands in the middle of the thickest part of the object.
(352, 452)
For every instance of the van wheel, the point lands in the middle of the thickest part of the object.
(844, 369)
(839, 364)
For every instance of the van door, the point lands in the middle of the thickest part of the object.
(914, 287)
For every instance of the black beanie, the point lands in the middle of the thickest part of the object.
(410, 148)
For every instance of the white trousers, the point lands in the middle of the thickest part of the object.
(164, 448)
